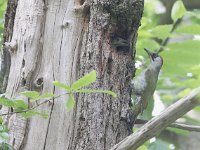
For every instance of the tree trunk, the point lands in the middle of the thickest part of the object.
(63, 40)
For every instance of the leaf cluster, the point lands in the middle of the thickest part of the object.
(78, 87)
(21, 106)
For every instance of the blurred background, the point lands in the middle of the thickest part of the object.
(3, 4)
(174, 28)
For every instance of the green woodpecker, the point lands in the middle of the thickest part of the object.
(144, 85)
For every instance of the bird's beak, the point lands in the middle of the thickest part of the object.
(148, 52)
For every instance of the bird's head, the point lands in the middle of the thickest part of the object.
(154, 57)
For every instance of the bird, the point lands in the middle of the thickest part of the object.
(144, 85)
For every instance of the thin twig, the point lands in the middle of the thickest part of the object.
(185, 127)
(165, 41)
(175, 125)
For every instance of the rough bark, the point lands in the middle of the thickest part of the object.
(63, 40)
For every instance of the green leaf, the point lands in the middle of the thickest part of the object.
(4, 135)
(145, 34)
(5, 146)
(1, 128)
(159, 145)
(30, 114)
(161, 31)
(197, 109)
(30, 94)
(189, 29)
(46, 95)
(43, 115)
(20, 105)
(97, 91)
(143, 147)
(1, 120)
(6, 102)
(43, 96)
(85, 80)
(61, 85)
(70, 102)
(178, 10)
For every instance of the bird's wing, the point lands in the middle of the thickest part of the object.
(137, 107)
(139, 84)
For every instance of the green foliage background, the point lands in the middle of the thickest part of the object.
(181, 70)
(3, 4)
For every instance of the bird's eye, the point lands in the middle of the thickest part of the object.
(154, 56)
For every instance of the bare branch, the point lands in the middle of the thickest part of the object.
(175, 125)
(185, 127)
(160, 122)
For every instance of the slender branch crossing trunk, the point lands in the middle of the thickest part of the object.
(62, 40)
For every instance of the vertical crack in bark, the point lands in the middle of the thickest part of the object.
(59, 5)
(51, 111)
(49, 121)
(60, 48)
(75, 68)
(79, 45)
(50, 114)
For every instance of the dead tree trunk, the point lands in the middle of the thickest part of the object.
(63, 40)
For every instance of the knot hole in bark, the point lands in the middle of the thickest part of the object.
(109, 65)
(39, 82)
(23, 82)
(23, 63)
(120, 34)
(123, 21)
(120, 42)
